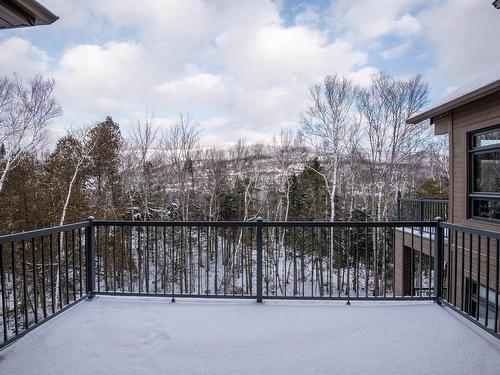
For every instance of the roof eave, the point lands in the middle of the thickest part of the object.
(454, 103)
(23, 13)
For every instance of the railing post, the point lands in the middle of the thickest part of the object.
(399, 205)
(438, 261)
(259, 260)
(90, 258)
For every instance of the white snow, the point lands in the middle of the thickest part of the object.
(119, 335)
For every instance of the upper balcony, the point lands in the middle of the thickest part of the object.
(422, 209)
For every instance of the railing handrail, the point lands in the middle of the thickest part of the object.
(472, 230)
(42, 232)
(253, 224)
(425, 199)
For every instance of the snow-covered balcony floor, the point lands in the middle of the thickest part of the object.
(119, 335)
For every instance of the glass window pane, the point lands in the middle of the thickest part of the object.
(487, 139)
(486, 208)
(487, 172)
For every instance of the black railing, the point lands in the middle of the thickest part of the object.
(262, 260)
(44, 272)
(471, 281)
(421, 209)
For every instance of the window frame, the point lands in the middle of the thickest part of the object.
(472, 150)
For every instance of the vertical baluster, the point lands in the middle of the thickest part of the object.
(285, 257)
(200, 259)
(487, 279)
(348, 265)
(147, 261)
(4, 295)
(302, 262)
(105, 255)
(412, 260)
(470, 275)
(131, 259)
(294, 230)
(14, 287)
(463, 272)
(338, 260)
(25, 285)
(394, 261)
(73, 268)
(367, 263)
(98, 255)
(35, 291)
(165, 260)
(44, 301)
(114, 258)
(357, 262)
(80, 261)
(66, 265)
(312, 261)
(497, 284)
(52, 286)
(384, 263)
(172, 254)
(455, 268)
(122, 256)
(156, 259)
(216, 238)
(191, 261)
(478, 275)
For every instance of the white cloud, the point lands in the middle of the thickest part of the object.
(235, 62)
(365, 20)
(236, 66)
(20, 56)
(462, 40)
(396, 51)
(107, 77)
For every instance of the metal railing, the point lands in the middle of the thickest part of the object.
(261, 260)
(471, 281)
(44, 272)
(421, 209)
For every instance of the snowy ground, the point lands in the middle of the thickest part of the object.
(118, 335)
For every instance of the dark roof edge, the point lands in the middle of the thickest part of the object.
(455, 102)
(22, 13)
(34, 6)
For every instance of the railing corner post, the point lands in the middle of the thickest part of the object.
(438, 261)
(90, 258)
(259, 259)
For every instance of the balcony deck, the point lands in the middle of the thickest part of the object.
(128, 335)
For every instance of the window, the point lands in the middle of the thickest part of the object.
(473, 302)
(484, 174)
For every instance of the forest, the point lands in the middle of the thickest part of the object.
(350, 155)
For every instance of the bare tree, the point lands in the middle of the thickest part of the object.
(385, 106)
(327, 123)
(144, 146)
(180, 147)
(82, 150)
(26, 110)
(215, 179)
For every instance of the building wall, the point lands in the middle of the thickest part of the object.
(461, 121)
(460, 256)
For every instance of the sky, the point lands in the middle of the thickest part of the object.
(242, 69)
